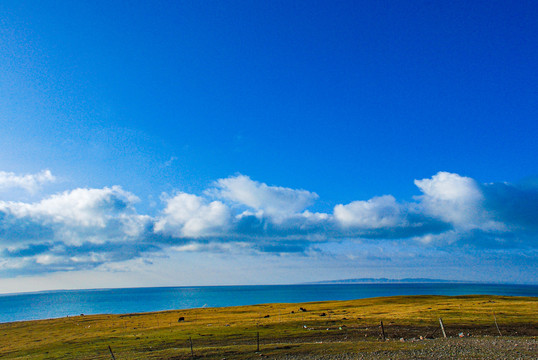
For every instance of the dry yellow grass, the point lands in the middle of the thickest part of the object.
(231, 332)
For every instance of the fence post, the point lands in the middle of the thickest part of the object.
(442, 327)
(111, 353)
(382, 331)
(192, 352)
(497, 326)
(258, 341)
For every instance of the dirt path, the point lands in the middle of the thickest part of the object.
(452, 348)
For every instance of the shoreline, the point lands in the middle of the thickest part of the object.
(58, 304)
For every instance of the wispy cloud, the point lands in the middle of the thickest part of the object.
(170, 161)
(28, 182)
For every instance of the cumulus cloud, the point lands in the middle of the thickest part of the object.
(275, 201)
(452, 198)
(452, 209)
(28, 182)
(75, 229)
(85, 228)
(457, 200)
(189, 215)
(79, 207)
(378, 212)
(80, 215)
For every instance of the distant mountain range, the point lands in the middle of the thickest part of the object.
(385, 280)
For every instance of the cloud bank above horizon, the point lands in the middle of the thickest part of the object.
(85, 228)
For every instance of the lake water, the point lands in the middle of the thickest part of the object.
(53, 304)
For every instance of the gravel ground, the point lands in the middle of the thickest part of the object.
(452, 348)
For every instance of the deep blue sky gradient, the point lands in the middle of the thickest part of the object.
(348, 99)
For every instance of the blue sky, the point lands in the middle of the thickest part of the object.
(185, 143)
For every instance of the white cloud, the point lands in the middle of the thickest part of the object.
(79, 207)
(28, 182)
(85, 228)
(82, 215)
(315, 217)
(188, 215)
(449, 201)
(375, 213)
(48, 259)
(275, 201)
(457, 200)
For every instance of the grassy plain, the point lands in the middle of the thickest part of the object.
(332, 327)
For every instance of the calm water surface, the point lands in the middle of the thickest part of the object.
(53, 304)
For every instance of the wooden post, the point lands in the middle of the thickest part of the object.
(497, 326)
(383, 331)
(442, 327)
(111, 353)
(258, 341)
(192, 352)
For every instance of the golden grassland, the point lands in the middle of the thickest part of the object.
(217, 333)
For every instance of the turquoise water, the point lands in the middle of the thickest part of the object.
(53, 304)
